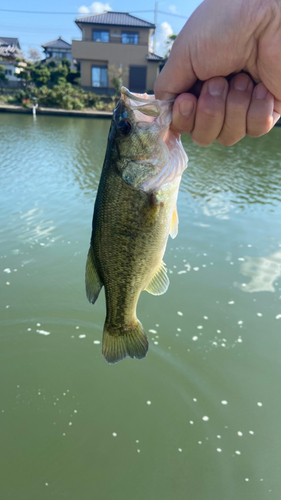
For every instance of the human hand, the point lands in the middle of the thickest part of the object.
(224, 37)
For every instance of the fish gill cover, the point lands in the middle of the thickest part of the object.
(157, 115)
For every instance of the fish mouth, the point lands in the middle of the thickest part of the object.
(136, 97)
(145, 103)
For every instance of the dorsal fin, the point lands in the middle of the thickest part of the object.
(174, 223)
(159, 282)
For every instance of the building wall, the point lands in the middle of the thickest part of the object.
(86, 74)
(113, 53)
(110, 54)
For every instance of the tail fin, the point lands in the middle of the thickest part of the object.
(119, 343)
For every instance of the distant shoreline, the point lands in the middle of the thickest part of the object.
(11, 108)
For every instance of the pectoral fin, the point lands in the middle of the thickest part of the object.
(93, 282)
(159, 282)
(174, 223)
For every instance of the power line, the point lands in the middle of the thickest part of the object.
(171, 14)
(37, 12)
(85, 14)
(38, 29)
(59, 13)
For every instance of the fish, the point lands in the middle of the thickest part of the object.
(135, 211)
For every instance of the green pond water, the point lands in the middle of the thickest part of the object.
(200, 417)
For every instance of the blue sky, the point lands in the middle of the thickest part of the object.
(34, 29)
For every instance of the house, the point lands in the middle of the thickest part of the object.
(10, 50)
(115, 40)
(57, 48)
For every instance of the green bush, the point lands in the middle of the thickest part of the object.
(40, 75)
(2, 72)
(61, 95)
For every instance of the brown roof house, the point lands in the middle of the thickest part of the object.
(118, 40)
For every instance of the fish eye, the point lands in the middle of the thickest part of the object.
(125, 127)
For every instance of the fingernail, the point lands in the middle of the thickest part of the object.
(260, 92)
(241, 83)
(186, 108)
(216, 87)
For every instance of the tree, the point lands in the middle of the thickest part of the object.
(169, 44)
(59, 74)
(73, 77)
(66, 62)
(116, 76)
(34, 54)
(25, 73)
(47, 73)
(40, 75)
(2, 73)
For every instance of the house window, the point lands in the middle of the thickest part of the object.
(101, 36)
(57, 54)
(8, 72)
(99, 76)
(130, 37)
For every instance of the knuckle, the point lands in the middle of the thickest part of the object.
(230, 135)
(228, 141)
(211, 113)
(239, 105)
(257, 127)
(200, 141)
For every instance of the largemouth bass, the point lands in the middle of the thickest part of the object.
(135, 211)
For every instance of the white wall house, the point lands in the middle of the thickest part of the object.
(10, 50)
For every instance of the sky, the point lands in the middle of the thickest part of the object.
(34, 28)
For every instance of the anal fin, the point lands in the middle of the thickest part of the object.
(159, 282)
(93, 282)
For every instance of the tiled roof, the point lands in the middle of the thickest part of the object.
(116, 19)
(6, 40)
(10, 52)
(154, 57)
(59, 43)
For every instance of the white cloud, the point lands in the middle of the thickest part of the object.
(95, 8)
(83, 10)
(162, 33)
(173, 9)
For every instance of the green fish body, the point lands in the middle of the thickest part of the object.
(135, 210)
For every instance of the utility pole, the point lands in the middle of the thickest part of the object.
(155, 22)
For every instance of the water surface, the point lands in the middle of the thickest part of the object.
(200, 417)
